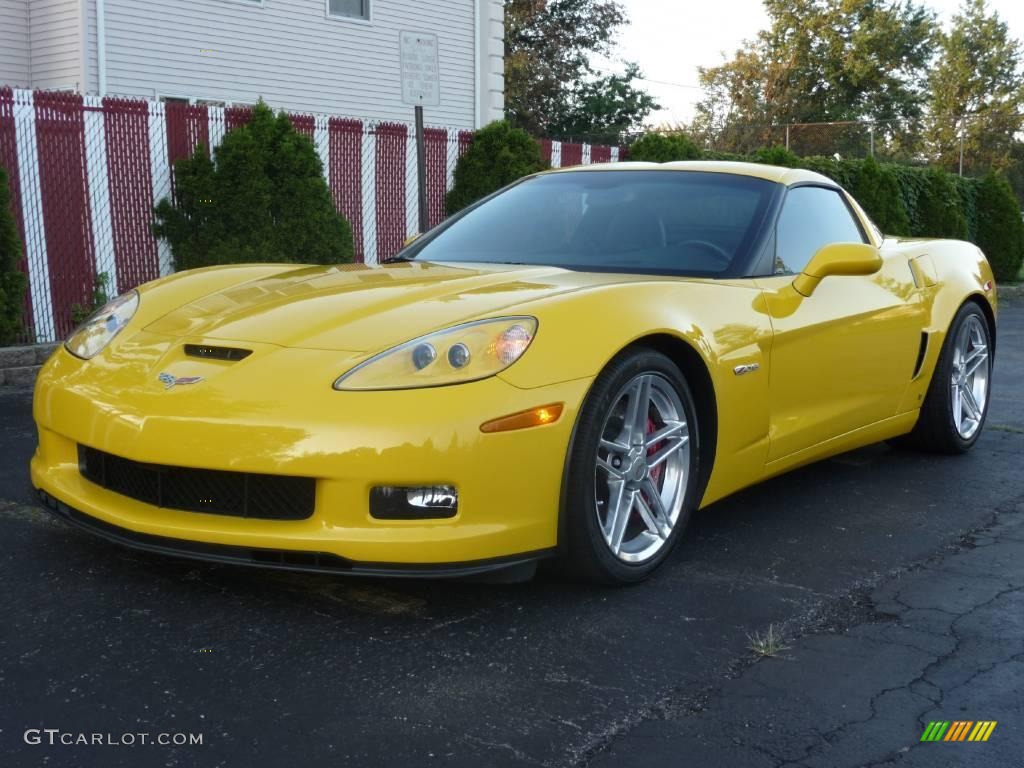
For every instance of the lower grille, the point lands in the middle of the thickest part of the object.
(238, 494)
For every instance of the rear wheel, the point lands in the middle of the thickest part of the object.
(633, 472)
(956, 405)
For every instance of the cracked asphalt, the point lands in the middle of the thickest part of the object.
(896, 580)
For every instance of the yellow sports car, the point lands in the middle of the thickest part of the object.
(565, 369)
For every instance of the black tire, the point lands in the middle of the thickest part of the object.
(584, 553)
(936, 431)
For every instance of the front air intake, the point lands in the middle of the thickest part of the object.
(215, 492)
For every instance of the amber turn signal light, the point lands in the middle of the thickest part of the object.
(535, 417)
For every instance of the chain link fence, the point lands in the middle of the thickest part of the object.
(969, 145)
(85, 173)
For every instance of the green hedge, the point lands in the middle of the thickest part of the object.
(1000, 230)
(878, 192)
(12, 280)
(967, 190)
(499, 154)
(659, 148)
(901, 199)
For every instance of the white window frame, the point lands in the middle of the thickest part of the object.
(164, 97)
(368, 20)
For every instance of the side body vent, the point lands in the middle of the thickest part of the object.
(920, 355)
(231, 354)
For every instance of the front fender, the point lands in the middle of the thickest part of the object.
(726, 323)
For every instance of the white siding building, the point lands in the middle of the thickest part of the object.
(328, 56)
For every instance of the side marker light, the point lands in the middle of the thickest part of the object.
(535, 417)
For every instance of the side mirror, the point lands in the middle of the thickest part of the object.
(838, 259)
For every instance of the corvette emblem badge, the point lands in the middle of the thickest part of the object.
(169, 380)
(739, 370)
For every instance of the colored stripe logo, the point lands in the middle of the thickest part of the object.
(958, 730)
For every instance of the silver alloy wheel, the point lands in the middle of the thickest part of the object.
(642, 468)
(970, 376)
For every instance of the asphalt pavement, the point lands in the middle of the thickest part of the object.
(895, 580)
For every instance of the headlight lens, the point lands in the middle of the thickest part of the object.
(89, 339)
(463, 353)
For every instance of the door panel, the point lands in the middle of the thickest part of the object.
(842, 358)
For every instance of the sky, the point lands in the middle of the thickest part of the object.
(670, 39)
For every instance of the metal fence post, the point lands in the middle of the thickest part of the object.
(98, 181)
(423, 219)
(39, 285)
(961, 151)
(369, 165)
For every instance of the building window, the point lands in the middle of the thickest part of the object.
(351, 9)
(200, 102)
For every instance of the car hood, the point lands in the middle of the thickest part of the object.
(362, 308)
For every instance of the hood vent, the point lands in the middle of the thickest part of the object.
(231, 354)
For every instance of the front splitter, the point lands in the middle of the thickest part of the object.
(509, 569)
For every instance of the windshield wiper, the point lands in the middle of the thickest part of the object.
(397, 259)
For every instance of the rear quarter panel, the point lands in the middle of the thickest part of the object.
(947, 273)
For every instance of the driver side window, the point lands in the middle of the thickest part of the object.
(811, 217)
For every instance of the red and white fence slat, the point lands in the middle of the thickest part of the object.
(85, 173)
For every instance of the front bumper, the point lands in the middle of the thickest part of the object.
(256, 419)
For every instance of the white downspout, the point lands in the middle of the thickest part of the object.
(477, 46)
(101, 47)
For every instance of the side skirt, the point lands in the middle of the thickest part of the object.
(872, 433)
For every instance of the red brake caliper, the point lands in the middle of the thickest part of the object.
(656, 472)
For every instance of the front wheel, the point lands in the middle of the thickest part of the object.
(956, 405)
(632, 476)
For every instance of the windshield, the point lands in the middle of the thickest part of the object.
(675, 222)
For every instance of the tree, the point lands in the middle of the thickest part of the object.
(820, 61)
(602, 110)
(976, 88)
(499, 155)
(261, 198)
(12, 279)
(551, 87)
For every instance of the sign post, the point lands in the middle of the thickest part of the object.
(420, 88)
(421, 171)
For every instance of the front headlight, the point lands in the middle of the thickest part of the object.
(455, 355)
(89, 339)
